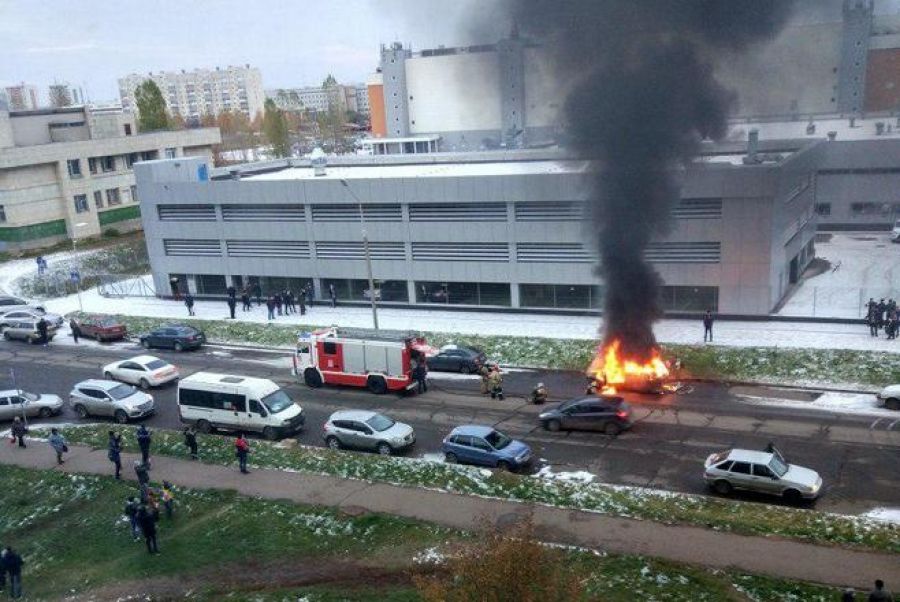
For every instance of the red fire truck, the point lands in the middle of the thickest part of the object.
(380, 360)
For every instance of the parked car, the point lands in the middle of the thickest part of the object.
(472, 444)
(8, 304)
(890, 397)
(452, 358)
(360, 429)
(13, 403)
(101, 328)
(123, 402)
(895, 232)
(144, 370)
(33, 313)
(607, 413)
(26, 329)
(174, 336)
(764, 472)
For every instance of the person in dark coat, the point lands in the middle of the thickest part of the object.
(132, 506)
(19, 430)
(231, 292)
(257, 292)
(231, 305)
(242, 450)
(278, 302)
(288, 300)
(300, 298)
(73, 327)
(190, 440)
(309, 294)
(42, 330)
(189, 303)
(142, 473)
(147, 518)
(879, 594)
(114, 451)
(59, 445)
(707, 326)
(11, 564)
(144, 438)
(270, 305)
(420, 373)
(332, 295)
(245, 300)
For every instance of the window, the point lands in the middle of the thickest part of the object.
(869, 208)
(134, 194)
(464, 293)
(570, 296)
(171, 153)
(148, 155)
(741, 468)
(81, 204)
(131, 159)
(128, 129)
(823, 209)
(92, 164)
(112, 197)
(760, 470)
(74, 166)
(98, 199)
(2, 214)
(329, 348)
(108, 163)
(689, 298)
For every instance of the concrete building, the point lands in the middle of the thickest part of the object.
(23, 97)
(69, 172)
(194, 94)
(361, 92)
(316, 99)
(64, 95)
(476, 229)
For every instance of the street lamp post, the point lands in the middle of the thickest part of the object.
(368, 256)
(74, 256)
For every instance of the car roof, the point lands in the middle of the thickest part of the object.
(99, 383)
(177, 327)
(749, 455)
(476, 430)
(361, 415)
(583, 398)
(141, 359)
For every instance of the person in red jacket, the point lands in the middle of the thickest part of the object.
(242, 449)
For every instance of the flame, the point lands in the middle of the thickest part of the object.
(611, 369)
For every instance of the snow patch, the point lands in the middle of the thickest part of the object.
(864, 404)
(578, 476)
(886, 514)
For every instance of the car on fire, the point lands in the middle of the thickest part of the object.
(889, 397)
(607, 413)
(483, 445)
(763, 472)
(453, 358)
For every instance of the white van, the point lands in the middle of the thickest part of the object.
(237, 403)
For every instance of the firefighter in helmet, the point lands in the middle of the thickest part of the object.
(539, 394)
(485, 372)
(495, 382)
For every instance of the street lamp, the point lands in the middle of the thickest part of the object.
(74, 249)
(365, 238)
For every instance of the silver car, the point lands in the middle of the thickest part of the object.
(367, 430)
(32, 313)
(110, 398)
(8, 304)
(764, 472)
(14, 403)
(26, 329)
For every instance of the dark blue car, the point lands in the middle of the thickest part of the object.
(175, 336)
(485, 446)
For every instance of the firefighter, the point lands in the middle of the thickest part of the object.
(495, 380)
(485, 373)
(539, 394)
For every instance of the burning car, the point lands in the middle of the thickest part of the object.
(610, 371)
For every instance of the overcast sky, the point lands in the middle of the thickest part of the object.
(90, 43)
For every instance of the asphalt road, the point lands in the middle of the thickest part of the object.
(857, 456)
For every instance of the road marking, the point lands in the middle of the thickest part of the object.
(894, 423)
(875, 423)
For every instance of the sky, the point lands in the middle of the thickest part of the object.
(91, 43)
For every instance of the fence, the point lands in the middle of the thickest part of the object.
(112, 285)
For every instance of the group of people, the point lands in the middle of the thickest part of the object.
(491, 380)
(279, 303)
(882, 315)
(11, 566)
(879, 594)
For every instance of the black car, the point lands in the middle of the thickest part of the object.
(607, 413)
(174, 336)
(452, 358)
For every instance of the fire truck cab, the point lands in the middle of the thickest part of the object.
(380, 360)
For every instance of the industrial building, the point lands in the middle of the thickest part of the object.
(500, 230)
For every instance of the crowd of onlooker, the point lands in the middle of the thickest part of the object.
(882, 315)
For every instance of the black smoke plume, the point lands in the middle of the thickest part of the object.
(640, 96)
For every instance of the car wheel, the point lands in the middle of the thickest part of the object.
(504, 466)
(384, 449)
(612, 429)
(450, 458)
(722, 487)
(107, 375)
(121, 417)
(333, 443)
(892, 404)
(81, 411)
(552, 425)
(270, 434)
(792, 496)
(143, 384)
(145, 344)
(179, 347)
(465, 369)
(6, 336)
(312, 378)
(45, 413)
(204, 427)
(376, 385)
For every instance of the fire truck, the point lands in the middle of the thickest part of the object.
(380, 360)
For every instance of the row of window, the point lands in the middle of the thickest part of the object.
(554, 296)
(109, 163)
(863, 209)
(108, 198)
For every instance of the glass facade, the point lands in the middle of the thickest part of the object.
(689, 298)
(210, 284)
(358, 289)
(562, 296)
(275, 284)
(464, 293)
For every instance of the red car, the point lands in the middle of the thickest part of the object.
(102, 328)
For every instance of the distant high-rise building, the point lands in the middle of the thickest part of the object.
(192, 95)
(316, 99)
(23, 97)
(64, 95)
(362, 98)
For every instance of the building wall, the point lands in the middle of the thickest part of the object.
(883, 80)
(396, 91)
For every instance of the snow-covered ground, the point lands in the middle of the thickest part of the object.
(841, 403)
(889, 515)
(863, 265)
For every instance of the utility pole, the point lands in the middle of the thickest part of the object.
(368, 256)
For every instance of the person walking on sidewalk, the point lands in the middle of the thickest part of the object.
(707, 326)
(232, 304)
(245, 300)
(58, 443)
(147, 518)
(189, 303)
(421, 374)
(242, 450)
(190, 440)
(332, 295)
(144, 439)
(42, 331)
(879, 594)
(11, 564)
(132, 506)
(114, 452)
(278, 302)
(257, 292)
(142, 474)
(270, 305)
(73, 327)
(19, 430)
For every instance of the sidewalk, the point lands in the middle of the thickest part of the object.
(775, 557)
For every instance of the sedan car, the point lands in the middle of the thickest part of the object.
(606, 413)
(174, 336)
(761, 471)
(33, 313)
(26, 329)
(367, 430)
(452, 358)
(110, 398)
(473, 444)
(8, 304)
(101, 328)
(144, 370)
(14, 403)
(890, 397)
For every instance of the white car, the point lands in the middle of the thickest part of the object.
(895, 233)
(13, 403)
(890, 397)
(144, 370)
(764, 472)
(30, 314)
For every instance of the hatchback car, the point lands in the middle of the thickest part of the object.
(764, 472)
(101, 328)
(30, 314)
(27, 330)
(144, 370)
(452, 358)
(889, 397)
(174, 336)
(367, 430)
(110, 398)
(472, 444)
(8, 304)
(605, 413)
(14, 403)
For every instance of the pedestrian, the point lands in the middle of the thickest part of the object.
(73, 327)
(872, 321)
(231, 292)
(278, 302)
(485, 373)
(245, 300)
(257, 292)
(231, 305)
(421, 375)
(168, 499)
(293, 301)
(19, 430)
(42, 331)
(58, 443)
(11, 564)
(707, 326)
(147, 518)
(40, 265)
(132, 506)
(189, 303)
(848, 596)
(142, 472)
(879, 594)
(2, 572)
(242, 450)
(332, 295)
(309, 295)
(190, 440)
(300, 298)
(286, 296)
(495, 381)
(270, 305)
(144, 438)
(114, 451)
